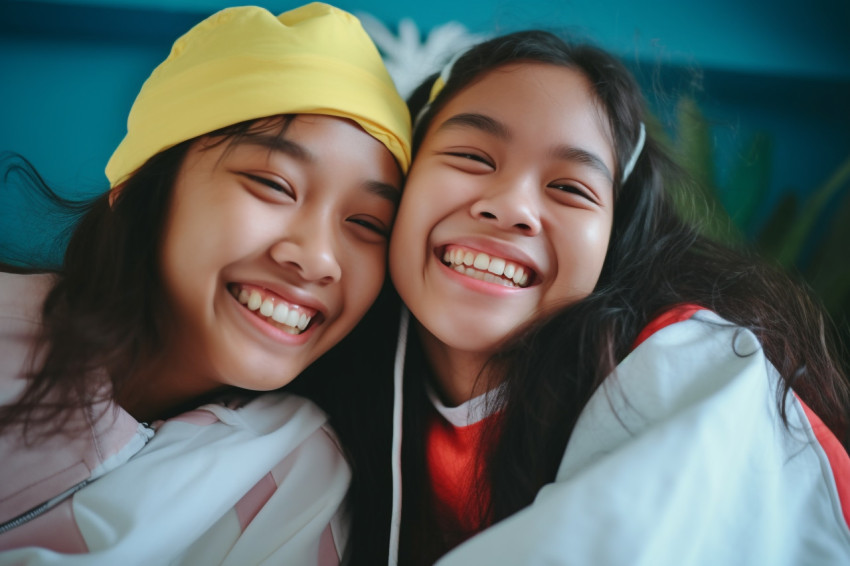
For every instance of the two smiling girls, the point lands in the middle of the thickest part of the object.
(582, 377)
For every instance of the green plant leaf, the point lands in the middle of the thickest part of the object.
(829, 271)
(749, 181)
(694, 146)
(773, 237)
(813, 209)
(700, 201)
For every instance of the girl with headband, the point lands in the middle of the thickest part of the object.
(245, 234)
(586, 378)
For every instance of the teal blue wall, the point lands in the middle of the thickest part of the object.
(69, 70)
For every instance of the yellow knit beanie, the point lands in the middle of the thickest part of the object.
(244, 63)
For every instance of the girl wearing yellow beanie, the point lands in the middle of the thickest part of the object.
(245, 235)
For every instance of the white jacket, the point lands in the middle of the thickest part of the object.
(259, 484)
(681, 458)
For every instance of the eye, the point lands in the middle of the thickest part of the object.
(471, 156)
(470, 161)
(373, 228)
(574, 189)
(278, 186)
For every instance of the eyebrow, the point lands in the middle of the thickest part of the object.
(569, 153)
(278, 143)
(480, 122)
(384, 190)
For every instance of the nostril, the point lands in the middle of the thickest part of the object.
(489, 215)
(523, 227)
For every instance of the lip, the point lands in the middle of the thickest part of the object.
(498, 248)
(287, 296)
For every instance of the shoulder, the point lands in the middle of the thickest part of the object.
(689, 367)
(695, 346)
(676, 313)
(698, 388)
(261, 415)
(684, 322)
(691, 344)
(266, 430)
(694, 411)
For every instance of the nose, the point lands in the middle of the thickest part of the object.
(511, 204)
(309, 248)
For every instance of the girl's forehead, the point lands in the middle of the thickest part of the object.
(516, 88)
(543, 76)
(541, 101)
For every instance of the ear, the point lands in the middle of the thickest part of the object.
(113, 194)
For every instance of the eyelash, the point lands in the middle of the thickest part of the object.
(472, 157)
(275, 186)
(572, 189)
(371, 226)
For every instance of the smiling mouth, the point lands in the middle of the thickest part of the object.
(488, 268)
(291, 318)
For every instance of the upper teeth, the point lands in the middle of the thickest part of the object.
(280, 313)
(483, 262)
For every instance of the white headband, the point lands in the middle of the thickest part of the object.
(630, 164)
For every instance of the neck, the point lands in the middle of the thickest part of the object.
(459, 375)
(162, 390)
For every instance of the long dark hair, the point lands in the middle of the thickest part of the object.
(105, 309)
(106, 316)
(655, 259)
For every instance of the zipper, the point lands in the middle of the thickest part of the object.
(42, 508)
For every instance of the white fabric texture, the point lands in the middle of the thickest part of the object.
(177, 489)
(681, 458)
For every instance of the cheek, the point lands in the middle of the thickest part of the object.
(408, 229)
(407, 255)
(581, 253)
(362, 279)
(193, 247)
(427, 199)
(594, 240)
(177, 241)
(199, 244)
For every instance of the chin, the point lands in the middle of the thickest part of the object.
(262, 376)
(472, 339)
(264, 385)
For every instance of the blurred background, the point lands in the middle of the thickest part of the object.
(755, 97)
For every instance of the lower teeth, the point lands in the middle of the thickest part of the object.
(481, 276)
(285, 328)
